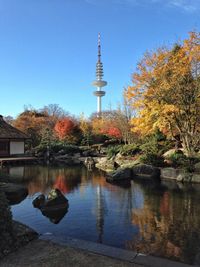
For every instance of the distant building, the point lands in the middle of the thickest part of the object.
(11, 140)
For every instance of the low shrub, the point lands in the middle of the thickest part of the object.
(156, 144)
(129, 150)
(57, 147)
(66, 149)
(112, 151)
(152, 159)
(178, 159)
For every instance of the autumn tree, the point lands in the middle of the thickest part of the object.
(116, 123)
(32, 122)
(54, 113)
(122, 118)
(67, 129)
(64, 127)
(86, 128)
(165, 92)
(111, 130)
(106, 125)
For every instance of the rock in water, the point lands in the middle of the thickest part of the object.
(39, 201)
(120, 175)
(146, 171)
(55, 197)
(54, 207)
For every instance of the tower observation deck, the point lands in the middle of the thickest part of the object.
(99, 83)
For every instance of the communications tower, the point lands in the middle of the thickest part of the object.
(99, 83)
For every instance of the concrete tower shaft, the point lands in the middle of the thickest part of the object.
(99, 83)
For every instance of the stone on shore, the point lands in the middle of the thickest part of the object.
(180, 175)
(195, 178)
(172, 173)
(146, 171)
(123, 161)
(20, 236)
(15, 193)
(24, 234)
(105, 164)
(120, 174)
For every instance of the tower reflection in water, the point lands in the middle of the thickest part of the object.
(100, 213)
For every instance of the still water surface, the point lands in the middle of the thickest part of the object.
(158, 219)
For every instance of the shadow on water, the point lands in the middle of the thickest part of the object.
(55, 216)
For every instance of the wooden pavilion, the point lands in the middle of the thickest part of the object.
(11, 140)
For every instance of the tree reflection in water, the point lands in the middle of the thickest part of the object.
(168, 224)
(46, 178)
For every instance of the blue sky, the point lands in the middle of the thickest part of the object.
(48, 48)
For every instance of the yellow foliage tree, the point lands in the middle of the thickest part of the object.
(165, 92)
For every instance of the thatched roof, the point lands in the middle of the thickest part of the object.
(9, 132)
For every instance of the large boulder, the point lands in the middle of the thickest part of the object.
(105, 164)
(55, 198)
(172, 173)
(184, 177)
(120, 175)
(195, 178)
(146, 171)
(15, 193)
(180, 175)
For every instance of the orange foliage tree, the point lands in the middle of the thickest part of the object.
(68, 129)
(64, 127)
(165, 92)
(115, 123)
(106, 125)
(111, 130)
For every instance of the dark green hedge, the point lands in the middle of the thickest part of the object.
(6, 226)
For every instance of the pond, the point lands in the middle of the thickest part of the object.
(157, 219)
